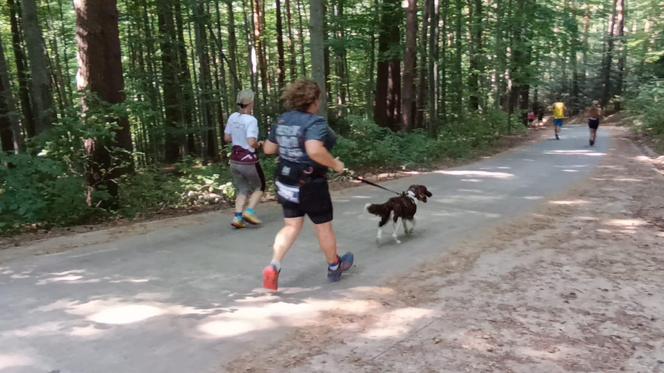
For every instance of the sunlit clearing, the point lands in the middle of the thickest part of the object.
(570, 170)
(625, 222)
(13, 360)
(472, 180)
(533, 198)
(396, 323)
(575, 152)
(126, 314)
(570, 202)
(246, 319)
(487, 174)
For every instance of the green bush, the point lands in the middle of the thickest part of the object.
(368, 145)
(39, 190)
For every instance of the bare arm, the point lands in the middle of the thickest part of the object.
(254, 143)
(319, 154)
(227, 137)
(270, 148)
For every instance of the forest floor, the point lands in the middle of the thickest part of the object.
(575, 286)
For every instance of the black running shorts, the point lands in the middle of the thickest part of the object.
(315, 202)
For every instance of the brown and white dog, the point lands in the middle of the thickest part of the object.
(402, 209)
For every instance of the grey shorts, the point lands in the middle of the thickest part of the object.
(247, 178)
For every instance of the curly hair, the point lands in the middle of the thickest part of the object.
(300, 94)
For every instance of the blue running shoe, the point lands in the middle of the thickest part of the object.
(345, 262)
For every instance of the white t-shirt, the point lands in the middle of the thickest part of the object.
(241, 127)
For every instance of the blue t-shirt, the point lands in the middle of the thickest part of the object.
(293, 129)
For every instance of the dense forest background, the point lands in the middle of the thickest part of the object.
(114, 108)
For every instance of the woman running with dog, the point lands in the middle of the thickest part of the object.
(303, 141)
(242, 131)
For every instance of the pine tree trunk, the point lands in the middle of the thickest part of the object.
(281, 61)
(387, 108)
(42, 99)
(409, 66)
(10, 132)
(316, 31)
(100, 74)
(21, 71)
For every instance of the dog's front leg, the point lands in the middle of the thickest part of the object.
(379, 235)
(397, 226)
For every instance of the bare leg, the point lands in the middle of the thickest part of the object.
(240, 200)
(327, 241)
(286, 237)
(254, 199)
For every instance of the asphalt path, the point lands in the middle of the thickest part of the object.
(183, 294)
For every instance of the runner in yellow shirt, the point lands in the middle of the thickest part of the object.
(559, 111)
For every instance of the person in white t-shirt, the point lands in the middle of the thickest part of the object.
(248, 179)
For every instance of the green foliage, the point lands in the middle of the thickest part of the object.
(648, 107)
(40, 190)
(368, 145)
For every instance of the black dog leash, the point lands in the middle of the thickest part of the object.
(376, 185)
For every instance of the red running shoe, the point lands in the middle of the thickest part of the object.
(270, 277)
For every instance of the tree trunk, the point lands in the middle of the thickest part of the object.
(291, 42)
(10, 132)
(409, 65)
(387, 108)
(100, 74)
(184, 77)
(42, 100)
(281, 61)
(622, 51)
(259, 42)
(421, 101)
(432, 67)
(608, 58)
(476, 65)
(458, 71)
(232, 48)
(300, 36)
(316, 31)
(21, 71)
(171, 85)
(204, 81)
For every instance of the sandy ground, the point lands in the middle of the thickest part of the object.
(574, 287)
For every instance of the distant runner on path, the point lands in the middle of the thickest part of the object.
(594, 115)
(559, 114)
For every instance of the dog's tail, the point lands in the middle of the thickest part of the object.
(378, 209)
